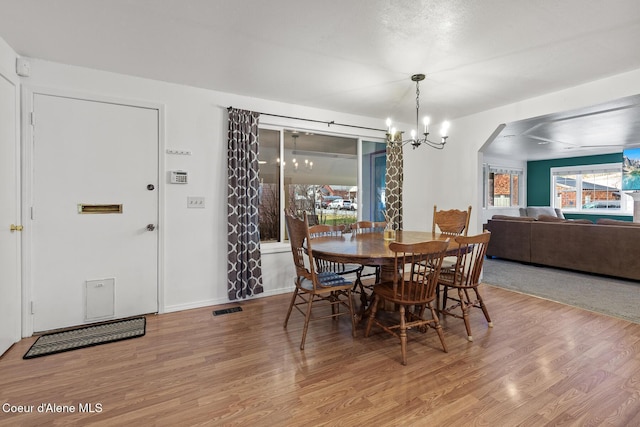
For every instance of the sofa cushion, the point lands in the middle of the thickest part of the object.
(606, 221)
(536, 211)
(549, 218)
(581, 221)
(513, 218)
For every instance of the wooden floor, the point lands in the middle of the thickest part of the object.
(542, 364)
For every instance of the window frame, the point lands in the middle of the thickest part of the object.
(488, 169)
(579, 171)
(283, 243)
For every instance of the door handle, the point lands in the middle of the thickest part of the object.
(14, 227)
(151, 227)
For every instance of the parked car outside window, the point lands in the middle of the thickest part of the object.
(602, 204)
(336, 204)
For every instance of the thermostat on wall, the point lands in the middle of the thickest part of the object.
(178, 177)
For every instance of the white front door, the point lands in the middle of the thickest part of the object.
(95, 211)
(9, 215)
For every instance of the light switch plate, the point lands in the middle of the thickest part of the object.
(195, 202)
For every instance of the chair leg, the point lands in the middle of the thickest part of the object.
(466, 307)
(483, 307)
(403, 335)
(293, 301)
(437, 326)
(358, 285)
(352, 313)
(445, 291)
(333, 299)
(372, 314)
(307, 318)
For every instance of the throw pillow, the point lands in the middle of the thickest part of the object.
(536, 211)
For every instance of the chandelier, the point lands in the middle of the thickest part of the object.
(415, 141)
(308, 165)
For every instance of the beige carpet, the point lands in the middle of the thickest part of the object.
(614, 297)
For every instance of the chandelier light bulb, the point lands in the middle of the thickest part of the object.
(393, 131)
(413, 134)
(388, 125)
(445, 128)
(426, 122)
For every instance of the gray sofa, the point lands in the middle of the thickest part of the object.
(609, 247)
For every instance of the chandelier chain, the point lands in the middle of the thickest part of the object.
(417, 96)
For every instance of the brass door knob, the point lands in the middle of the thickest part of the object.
(14, 227)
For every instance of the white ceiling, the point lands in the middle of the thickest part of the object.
(597, 129)
(353, 56)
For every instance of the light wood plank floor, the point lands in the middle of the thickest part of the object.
(542, 364)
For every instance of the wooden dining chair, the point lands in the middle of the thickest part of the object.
(465, 278)
(413, 291)
(453, 222)
(312, 286)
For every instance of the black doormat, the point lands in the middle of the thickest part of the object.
(88, 336)
(226, 311)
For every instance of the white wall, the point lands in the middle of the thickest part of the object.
(10, 242)
(451, 177)
(194, 242)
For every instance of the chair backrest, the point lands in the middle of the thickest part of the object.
(298, 230)
(312, 219)
(325, 230)
(471, 253)
(453, 222)
(418, 266)
(368, 227)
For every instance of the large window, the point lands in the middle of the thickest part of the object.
(502, 186)
(306, 172)
(589, 188)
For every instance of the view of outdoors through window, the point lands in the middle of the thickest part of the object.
(316, 174)
(503, 188)
(583, 190)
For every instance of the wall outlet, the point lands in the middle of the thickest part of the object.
(195, 202)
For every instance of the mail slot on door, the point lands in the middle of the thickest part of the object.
(99, 209)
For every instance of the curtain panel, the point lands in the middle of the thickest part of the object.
(394, 181)
(244, 270)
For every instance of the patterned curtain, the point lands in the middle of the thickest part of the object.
(393, 181)
(244, 271)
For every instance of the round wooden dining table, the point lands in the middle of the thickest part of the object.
(370, 248)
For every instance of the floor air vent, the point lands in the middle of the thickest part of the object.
(226, 311)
